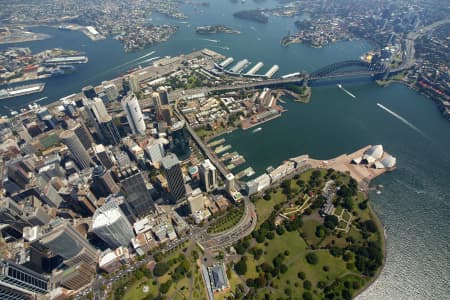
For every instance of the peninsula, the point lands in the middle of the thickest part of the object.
(211, 29)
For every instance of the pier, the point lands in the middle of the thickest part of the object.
(255, 69)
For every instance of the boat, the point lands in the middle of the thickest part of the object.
(257, 129)
(339, 85)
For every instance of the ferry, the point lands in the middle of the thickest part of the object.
(339, 85)
(257, 130)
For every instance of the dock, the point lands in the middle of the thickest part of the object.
(216, 143)
(221, 149)
(255, 69)
(247, 172)
(21, 90)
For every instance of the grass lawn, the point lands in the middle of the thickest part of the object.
(264, 208)
(135, 290)
(309, 229)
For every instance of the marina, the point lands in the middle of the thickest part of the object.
(21, 90)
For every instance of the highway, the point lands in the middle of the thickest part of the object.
(409, 58)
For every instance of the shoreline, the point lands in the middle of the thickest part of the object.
(381, 228)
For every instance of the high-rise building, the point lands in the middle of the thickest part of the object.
(64, 240)
(135, 117)
(137, 197)
(11, 214)
(102, 182)
(230, 183)
(109, 131)
(20, 277)
(111, 91)
(83, 134)
(157, 102)
(103, 156)
(180, 140)
(134, 83)
(174, 176)
(76, 148)
(111, 225)
(89, 92)
(163, 95)
(208, 175)
(155, 150)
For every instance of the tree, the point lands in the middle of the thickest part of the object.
(283, 268)
(307, 285)
(160, 269)
(241, 266)
(164, 288)
(331, 221)
(370, 226)
(312, 258)
(307, 296)
(301, 275)
(267, 197)
(320, 231)
(362, 205)
(279, 230)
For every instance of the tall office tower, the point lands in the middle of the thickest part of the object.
(83, 134)
(111, 91)
(80, 154)
(103, 156)
(134, 83)
(135, 118)
(111, 225)
(11, 214)
(138, 200)
(22, 278)
(102, 182)
(64, 240)
(174, 176)
(166, 114)
(155, 150)
(75, 277)
(208, 175)
(163, 95)
(86, 201)
(230, 183)
(16, 172)
(52, 170)
(109, 131)
(180, 140)
(97, 108)
(157, 102)
(89, 92)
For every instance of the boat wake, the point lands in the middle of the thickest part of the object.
(212, 41)
(346, 91)
(403, 120)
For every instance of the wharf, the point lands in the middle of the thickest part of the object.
(216, 143)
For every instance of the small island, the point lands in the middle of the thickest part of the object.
(252, 15)
(211, 29)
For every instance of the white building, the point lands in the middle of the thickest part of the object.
(111, 225)
(155, 150)
(111, 261)
(208, 175)
(135, 117)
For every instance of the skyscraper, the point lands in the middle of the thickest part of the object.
(111, 225)
(155, 150)
(180, 140)
(174, 176)
(103, 156)
(76, 148)
(83, 134)
(208, 175)
(103, 183)
(64, 240)
(18, 276)
(134, 83)
(137, 198)
(109, 130)
(163, 96)
(135, 118)
(11, 214)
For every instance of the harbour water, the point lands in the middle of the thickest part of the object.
(413, 205)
